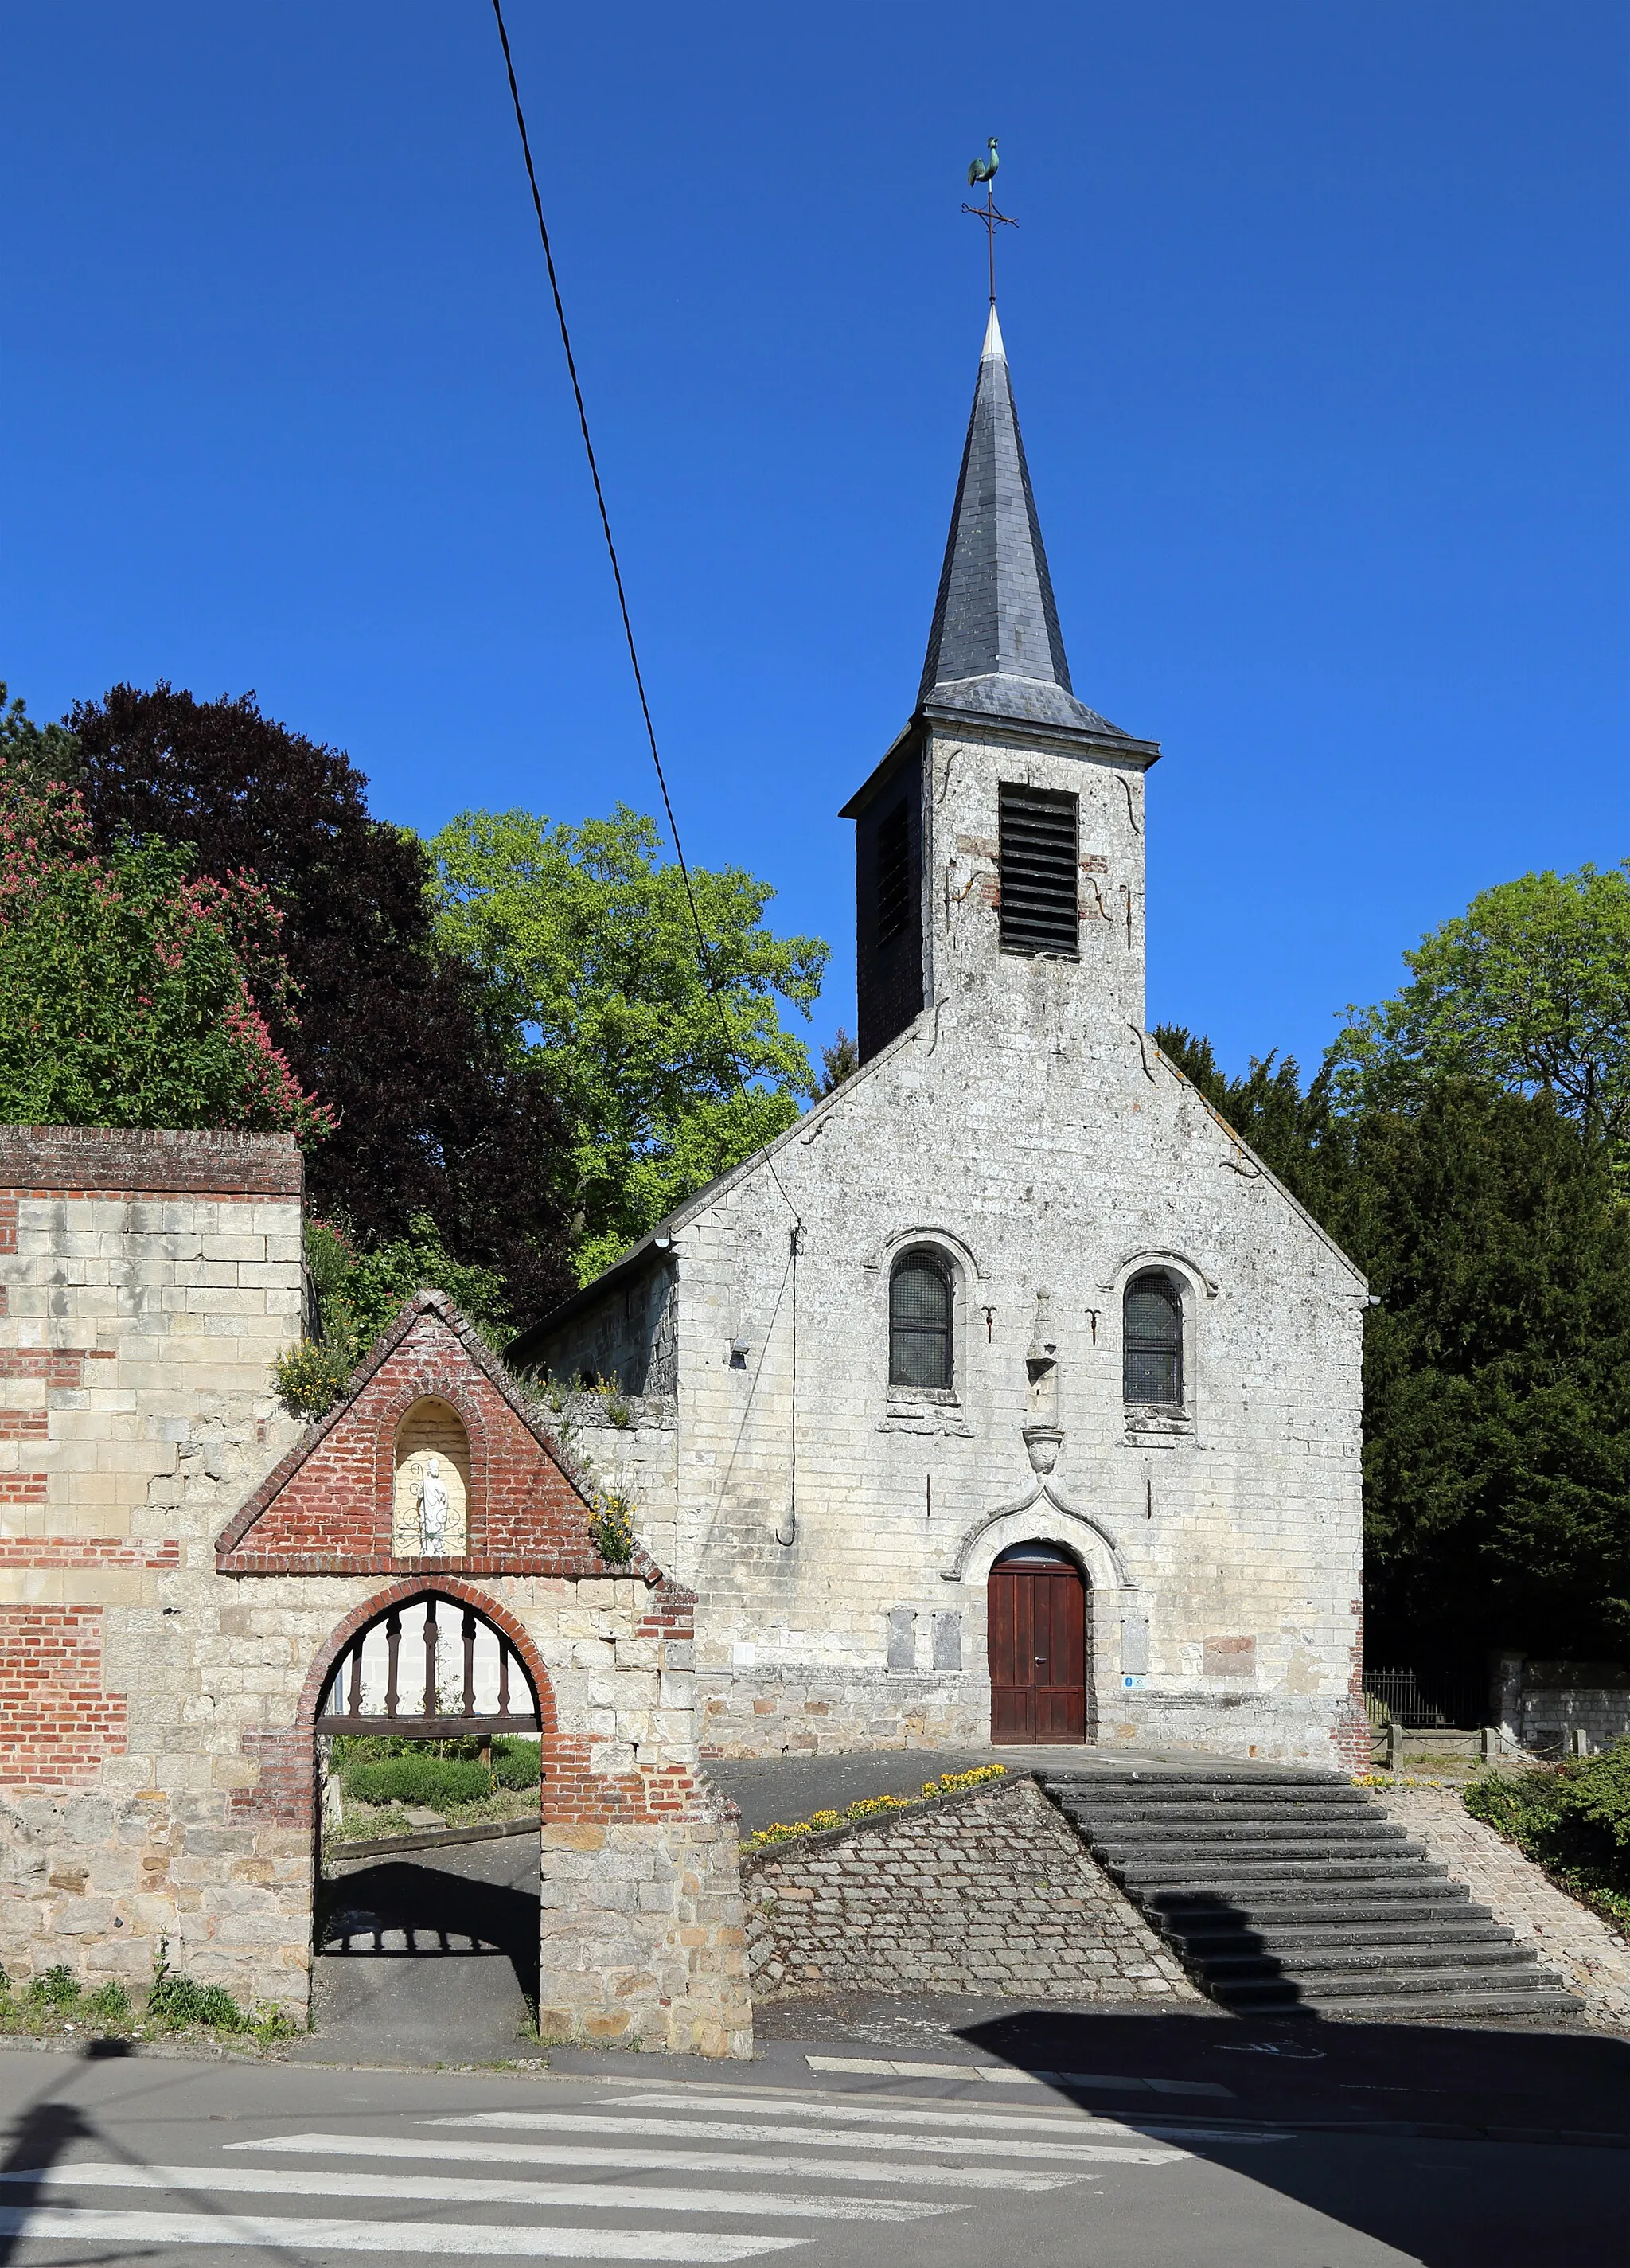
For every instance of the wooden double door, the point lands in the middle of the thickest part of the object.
(1037, 1625)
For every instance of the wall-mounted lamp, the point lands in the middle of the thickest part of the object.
(740, 1351)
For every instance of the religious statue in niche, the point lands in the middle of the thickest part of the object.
(430, 1514)
(432, 1494)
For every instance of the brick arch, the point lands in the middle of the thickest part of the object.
(400, 1594)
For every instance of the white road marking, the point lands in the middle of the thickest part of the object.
(1002, 2074)
(723, 2130)
(691, 2161)
(288, 2232)
(868, 2111)
(588, 2197)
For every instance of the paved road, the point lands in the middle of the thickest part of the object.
(832, 2155)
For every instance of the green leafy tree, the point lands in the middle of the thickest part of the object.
(131, 994)
(397, 1036)
(1529, 988)
(1496, 1376)
(585, 934)
(360, 1292)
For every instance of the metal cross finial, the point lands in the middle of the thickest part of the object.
(984, 169)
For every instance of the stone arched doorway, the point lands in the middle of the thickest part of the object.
(427, 1941)
(1037, 1627)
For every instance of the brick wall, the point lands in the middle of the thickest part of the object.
(329, 1508)
(68, 1159)
(147, 1281)
(59, 1720)
(990, 1892)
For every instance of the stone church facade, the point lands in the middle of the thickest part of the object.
(1012, 1309)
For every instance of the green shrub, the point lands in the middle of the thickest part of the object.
(612, 1531)
(173, 2001)
(515, 1763)
(1573, 1820)
(176, 2000)
(310, 1379)
(418, 1780)
(109, 2004)
(58, 1988)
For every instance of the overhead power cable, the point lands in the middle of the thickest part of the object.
(703, 958)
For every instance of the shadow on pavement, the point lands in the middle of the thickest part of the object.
(421, 1961)
(1460, 2147)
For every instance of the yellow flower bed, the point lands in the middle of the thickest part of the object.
(869, 1808)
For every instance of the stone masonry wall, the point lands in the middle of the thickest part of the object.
(990, 1892)
(1586, 1955)
(147, 1280)
(643, 1944)
(156, 1773)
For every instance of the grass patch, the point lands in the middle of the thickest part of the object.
(57, 2006)
(381, 1776)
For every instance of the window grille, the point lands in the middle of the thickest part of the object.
(893, 875)
(1040, 873)
(920, 1315)
(1152, 1342)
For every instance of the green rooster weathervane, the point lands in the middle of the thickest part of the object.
(984, 169)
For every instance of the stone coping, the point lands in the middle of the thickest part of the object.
(428, 1838)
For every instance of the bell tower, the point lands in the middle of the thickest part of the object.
(999, 845)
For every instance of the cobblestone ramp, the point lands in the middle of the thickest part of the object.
(1289, 1892)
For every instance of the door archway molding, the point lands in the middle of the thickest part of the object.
(1042, 1516)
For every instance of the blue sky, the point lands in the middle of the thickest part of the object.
(1317, 318)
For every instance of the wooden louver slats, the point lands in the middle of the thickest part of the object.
(1038, 873)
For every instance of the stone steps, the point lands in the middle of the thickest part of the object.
(1292, 1894)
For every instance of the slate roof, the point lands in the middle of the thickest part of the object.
(995, 648)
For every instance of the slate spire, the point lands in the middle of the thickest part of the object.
(995, 648)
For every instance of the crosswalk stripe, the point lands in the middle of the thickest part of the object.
(1001, 2074)
(931, 2109)
(868, 2111)
(692, 2161)
(922, 2110)
(588, 2197)
(722, 2129)
(470, 2240)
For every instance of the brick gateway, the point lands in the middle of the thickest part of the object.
(183, 1569)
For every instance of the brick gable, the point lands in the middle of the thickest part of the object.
(327, 1508)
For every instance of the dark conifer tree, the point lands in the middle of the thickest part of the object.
(1496, 1366)
(436, 1113)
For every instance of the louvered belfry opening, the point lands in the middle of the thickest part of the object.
(1040, 871)
(920, 1317)
(1152, 1342)
(893, 875)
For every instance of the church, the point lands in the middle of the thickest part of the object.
(1008, 1396)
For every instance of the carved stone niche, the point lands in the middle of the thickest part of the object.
(432, 1461)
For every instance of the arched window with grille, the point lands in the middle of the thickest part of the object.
(921, 1304)
(1152, 1342)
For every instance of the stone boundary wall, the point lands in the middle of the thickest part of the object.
(991, 1891)
(1589, 1958)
